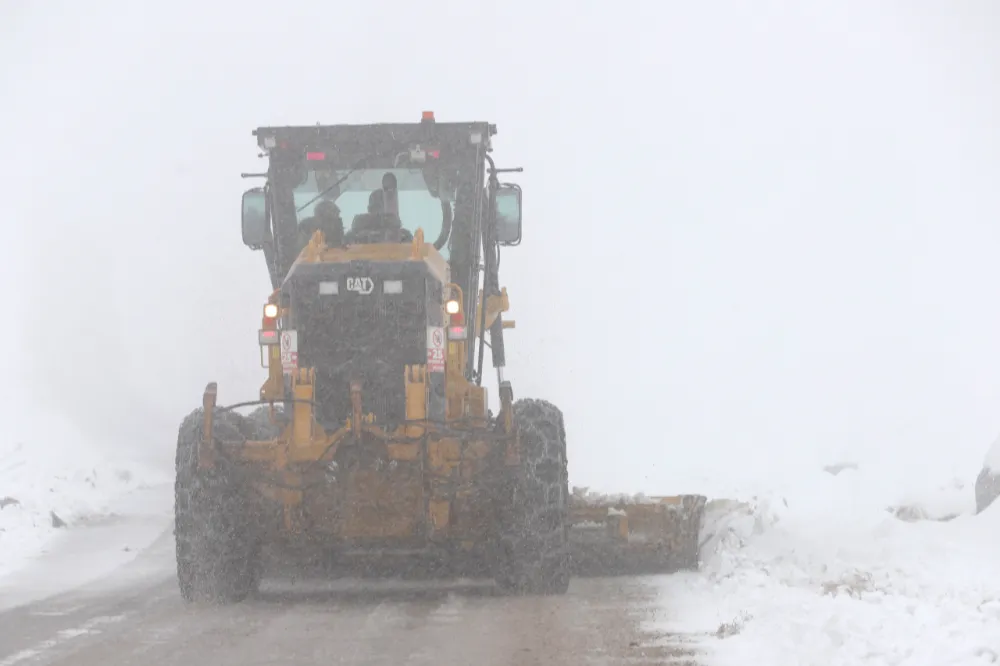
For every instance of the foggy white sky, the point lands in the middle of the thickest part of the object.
(757, 234)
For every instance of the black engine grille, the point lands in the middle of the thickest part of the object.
(367, 337)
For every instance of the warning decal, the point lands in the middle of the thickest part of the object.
(289, 351)
(435, 349)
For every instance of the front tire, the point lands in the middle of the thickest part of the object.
(217, 550)
(533, 554)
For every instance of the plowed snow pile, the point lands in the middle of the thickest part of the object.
(54, 483)
(839, 573)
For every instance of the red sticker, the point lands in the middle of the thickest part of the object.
(435, 349)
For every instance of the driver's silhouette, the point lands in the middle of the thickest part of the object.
(381, 224)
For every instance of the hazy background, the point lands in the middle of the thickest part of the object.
(758, 235)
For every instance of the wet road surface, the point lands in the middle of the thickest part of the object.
(133, 619)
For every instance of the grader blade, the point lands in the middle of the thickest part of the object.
(635, 536)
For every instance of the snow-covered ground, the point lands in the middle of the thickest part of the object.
(865, 566)
(845, 569)
(61, 494)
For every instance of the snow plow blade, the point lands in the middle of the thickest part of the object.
(634, 536)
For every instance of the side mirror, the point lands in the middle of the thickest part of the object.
(507, 214)
(256, 230)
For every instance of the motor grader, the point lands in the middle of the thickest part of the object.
(372, 447)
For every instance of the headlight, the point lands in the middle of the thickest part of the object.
(451, 307)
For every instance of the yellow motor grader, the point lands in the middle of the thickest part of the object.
(372, 448)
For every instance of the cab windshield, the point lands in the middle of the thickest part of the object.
(418, 209)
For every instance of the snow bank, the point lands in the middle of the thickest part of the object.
(847, 570)
(585, 496)
(55, 484)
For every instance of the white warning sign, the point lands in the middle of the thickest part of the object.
(435, 349)
(289, 351)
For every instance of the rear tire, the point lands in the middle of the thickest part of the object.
(217, 549)
(533, 556)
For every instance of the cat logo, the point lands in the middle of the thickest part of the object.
(360, 285)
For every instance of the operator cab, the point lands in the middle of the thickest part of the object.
(384, 182)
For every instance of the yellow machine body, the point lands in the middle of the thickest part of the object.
(430, 483)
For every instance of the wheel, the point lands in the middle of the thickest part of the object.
(533, 556)
(258, 425)
(217, 550)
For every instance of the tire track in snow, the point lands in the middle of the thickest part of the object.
(43, 649)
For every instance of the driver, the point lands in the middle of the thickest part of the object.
(376, 202)
(328, 221)
(381, 223)
(326, 218)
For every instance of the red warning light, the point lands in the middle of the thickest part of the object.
(434, 154)
(315, 157)
(428, 115)
(267, 337)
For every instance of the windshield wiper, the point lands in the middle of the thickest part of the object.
(357, 165)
